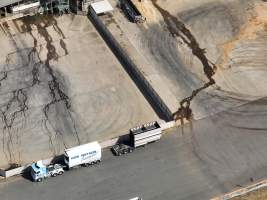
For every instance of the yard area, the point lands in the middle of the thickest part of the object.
(260, 194)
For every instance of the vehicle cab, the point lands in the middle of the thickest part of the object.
(38, 171)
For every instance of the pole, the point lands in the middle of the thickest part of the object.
(51, 7)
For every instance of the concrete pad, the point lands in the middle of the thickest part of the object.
(232, 34)
(60, 87)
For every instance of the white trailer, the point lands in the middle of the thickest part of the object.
(86, 154)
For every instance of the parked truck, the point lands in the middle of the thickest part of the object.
(131, 11)
(90, 153)
(87, 154)
(138, 136)
(39, 171)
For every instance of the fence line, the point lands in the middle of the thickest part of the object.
(137, 76)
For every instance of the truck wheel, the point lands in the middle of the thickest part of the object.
(98, 161)
(39, 180)
(54, 175)
(119, 154)
(60, 173)
(86, 164)
(130, 151)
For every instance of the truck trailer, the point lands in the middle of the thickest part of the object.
(138, 136)
(86, 154)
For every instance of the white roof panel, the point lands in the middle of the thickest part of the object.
(4, 3)
(101, 6)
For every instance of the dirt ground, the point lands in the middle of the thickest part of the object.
(260, 194)
(61, 86)
(211, 54)
(208, 54)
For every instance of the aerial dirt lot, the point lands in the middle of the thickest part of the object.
(259, 194)
(60, 86)
(212, 51)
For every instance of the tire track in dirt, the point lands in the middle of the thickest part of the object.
(56, 88)
(11, 110)
(178, 29)
(256, 24)
(15, 107)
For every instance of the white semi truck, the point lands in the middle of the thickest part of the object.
(90, 153)
(86, 155)
(39, 171)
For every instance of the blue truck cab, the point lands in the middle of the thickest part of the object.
(39, 171)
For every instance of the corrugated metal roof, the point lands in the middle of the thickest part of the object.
(4, 3)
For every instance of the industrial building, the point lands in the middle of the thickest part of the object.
(9, 8)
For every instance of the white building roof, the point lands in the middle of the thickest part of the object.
(22, 7)
(4, 3)
(101, 6)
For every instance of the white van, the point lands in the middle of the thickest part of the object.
(86, 154)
